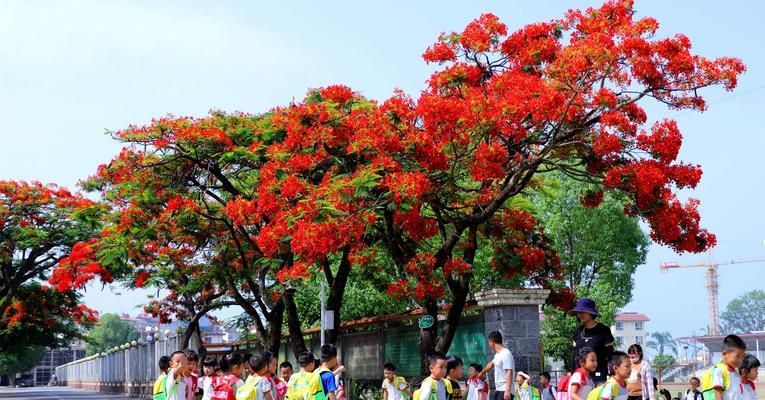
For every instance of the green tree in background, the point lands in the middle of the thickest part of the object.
(110, 331)
(19, 359)
(745, 313)
(600, 249)
(661, 341)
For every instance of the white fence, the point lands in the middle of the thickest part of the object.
(131, 370)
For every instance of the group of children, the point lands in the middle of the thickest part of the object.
(731, 379)
(221, 380)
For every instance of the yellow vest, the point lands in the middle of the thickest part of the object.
(417, 395)
(707, 380)
(248, 391)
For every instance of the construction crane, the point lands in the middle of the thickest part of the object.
(712, 284)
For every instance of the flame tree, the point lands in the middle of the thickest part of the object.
(39, 226)
(256, 203)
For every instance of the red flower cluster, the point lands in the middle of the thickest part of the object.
(79, 267)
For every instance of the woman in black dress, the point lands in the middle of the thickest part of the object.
(593, 334)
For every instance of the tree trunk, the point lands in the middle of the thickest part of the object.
(297, 342)
(460, 288)
(191, 330)
(427, 340)
(337, 286)
(275, 328)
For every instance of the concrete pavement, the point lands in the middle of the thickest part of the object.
(53, 393)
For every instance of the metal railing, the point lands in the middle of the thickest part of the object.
(131, 369)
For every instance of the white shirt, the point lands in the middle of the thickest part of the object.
(427, 387)
(206, 387)
(394, 391)
(734, 391)
(748, 390)
(690, 395)
(577, 378)
(621, 391)
(175, 389)
(503, 361)
(475, 388)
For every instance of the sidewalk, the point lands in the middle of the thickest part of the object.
(51, 393)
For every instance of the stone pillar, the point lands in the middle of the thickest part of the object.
(515, 314)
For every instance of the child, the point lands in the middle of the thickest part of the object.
(580, 383)
(259, 387)
(619, 367)
(246, 364)
(523, 386)
(694, 393)
(297, 385)
(721, 381)
(285, 370)
(228, 382)
(433, 387)
(748, 370)
(279, 388)
(208, 368)
(192, 380)
(477, 388)
(453, 374)
(175, 385)
(159, 384)
(328, 364)
(547, 391)
(338, 372)
(561, 390)
(393, 386)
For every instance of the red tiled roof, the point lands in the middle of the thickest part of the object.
(631, 316)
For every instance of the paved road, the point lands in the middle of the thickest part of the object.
(52, 393)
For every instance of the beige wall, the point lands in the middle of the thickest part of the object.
(630, 332)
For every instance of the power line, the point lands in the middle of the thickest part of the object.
(724, 99)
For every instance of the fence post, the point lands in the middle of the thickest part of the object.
(515, 314)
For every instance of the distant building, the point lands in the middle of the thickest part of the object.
(42, 373)
(211, 331)
(628, 329)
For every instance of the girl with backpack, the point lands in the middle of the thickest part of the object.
(228, 382)
(580, 384)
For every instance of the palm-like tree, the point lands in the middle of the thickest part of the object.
(662, 341)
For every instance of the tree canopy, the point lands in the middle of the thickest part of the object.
(20, 358)
(110, 331)
(254, 205)
(662, 341)
(745, 313)
(41, 225)
(600, 250)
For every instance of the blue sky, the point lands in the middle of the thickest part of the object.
(71, 70)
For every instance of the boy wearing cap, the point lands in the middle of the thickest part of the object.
(594, 335)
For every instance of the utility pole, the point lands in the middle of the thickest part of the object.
(323, 312)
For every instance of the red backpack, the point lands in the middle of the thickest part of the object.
(223, 387)
(563, 383)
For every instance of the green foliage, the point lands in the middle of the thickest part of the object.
(744, 314)
(20, 358)
(600, 249)
(661, 341)
(663, 361)
(110, 331)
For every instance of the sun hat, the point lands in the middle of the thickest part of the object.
(585, 305)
